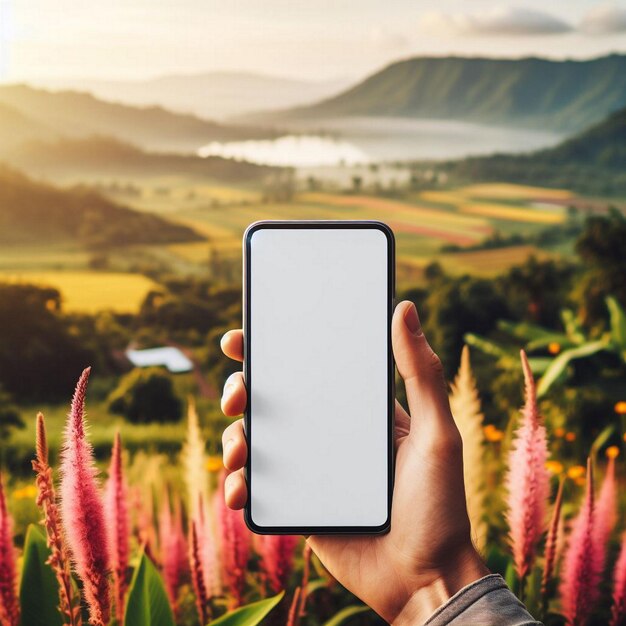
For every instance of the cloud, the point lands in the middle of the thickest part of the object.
(509, 21)
(385, 39)
(604, 19)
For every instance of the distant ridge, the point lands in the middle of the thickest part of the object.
(75, 114)
(562, 95)
(97, 157)
(593, 162)
(219, 94)
(35, 212)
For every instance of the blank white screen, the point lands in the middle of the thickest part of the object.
(318, 377)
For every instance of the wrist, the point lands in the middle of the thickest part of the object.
(440, 587)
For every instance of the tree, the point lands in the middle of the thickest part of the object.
(9, 415)
(146, 395)
(601, 247)
(41, 354)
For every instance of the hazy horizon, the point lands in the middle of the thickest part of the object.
(302, 40)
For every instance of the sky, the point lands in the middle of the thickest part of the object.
(314, 39)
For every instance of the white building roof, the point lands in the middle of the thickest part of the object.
(171, 358)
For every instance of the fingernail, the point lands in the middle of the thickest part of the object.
(227, 447)
(227, 490)
(229, 386)
(412, 320)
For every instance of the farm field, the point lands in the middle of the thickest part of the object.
(423, 223)
(89, 292)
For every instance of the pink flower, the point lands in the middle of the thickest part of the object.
(550, 552)
(118, 526)
(605, 512)
(235, 545)
(277, 555)
(208, 552)
(618, 613)
(9, 606)
(173, 549)
(528, 480)
(582, 566)
(82, 510)
(197, 575)
(46, 499)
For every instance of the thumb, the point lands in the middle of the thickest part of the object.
(418, 365)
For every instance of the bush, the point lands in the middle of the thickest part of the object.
(146, 396)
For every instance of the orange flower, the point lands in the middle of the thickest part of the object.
(612, 452)
(214, 463)
(559, 432)
(554, 347)
(620, 407)
(570, 436)
(492, 433)
(576, 471)
(554, 467)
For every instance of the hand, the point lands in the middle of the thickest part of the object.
(428, 555)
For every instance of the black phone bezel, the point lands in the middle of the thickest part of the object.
(320, 224)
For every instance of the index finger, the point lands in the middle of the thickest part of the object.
(232, 344)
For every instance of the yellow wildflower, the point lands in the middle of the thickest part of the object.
(576, 471)
(612, 452)
(554, 467)
(25, 493)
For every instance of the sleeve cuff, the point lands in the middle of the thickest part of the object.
(485, 602)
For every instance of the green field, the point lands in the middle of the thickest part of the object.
(423, 222)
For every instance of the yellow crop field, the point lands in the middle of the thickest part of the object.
(506, 190)
(514, 214)
(491, 262)
(451, 198)
(88, 292)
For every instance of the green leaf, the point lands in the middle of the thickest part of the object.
(315, 585)
(147, 601)
(601, 439)
(39, 590)
(559, 365)
(487, 346)
(346, 614)
(539, 364)
(534, 335)
(573, 327)
(511, 578)
(249, 615)
(618, 325)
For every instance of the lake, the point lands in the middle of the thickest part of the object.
(362, 140)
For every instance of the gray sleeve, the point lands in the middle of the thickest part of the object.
(485, 602)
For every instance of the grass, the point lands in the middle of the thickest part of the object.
(88, 292)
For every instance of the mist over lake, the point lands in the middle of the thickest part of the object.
(360, 140)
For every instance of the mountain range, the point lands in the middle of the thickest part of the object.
(592, 162)
(209, 94)
(97, 157)
(29, 113)
(533, 92)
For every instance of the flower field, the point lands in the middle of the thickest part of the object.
(163, 549)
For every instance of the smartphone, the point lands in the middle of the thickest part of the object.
(318, 366)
